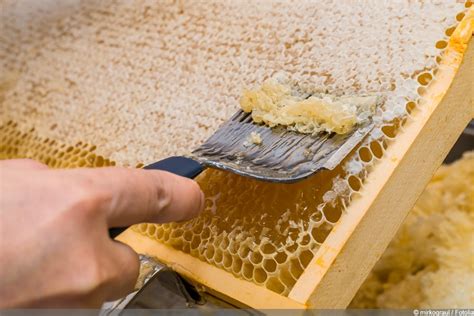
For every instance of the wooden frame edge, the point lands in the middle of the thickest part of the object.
(215, 280)
(362, 234)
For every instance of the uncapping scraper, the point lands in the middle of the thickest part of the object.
(283, 156)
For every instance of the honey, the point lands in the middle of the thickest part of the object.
(266, 233)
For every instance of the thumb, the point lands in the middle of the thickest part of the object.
(137, 195)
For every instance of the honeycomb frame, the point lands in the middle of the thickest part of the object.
(369, 153)
(349, 252)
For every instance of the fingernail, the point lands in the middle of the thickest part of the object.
(203, 202)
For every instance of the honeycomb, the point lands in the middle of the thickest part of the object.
(145, 80)
(270, 248)
(16, 143)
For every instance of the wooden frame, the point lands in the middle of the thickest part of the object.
(364, 231)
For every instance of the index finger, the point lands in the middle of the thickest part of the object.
(131, 196)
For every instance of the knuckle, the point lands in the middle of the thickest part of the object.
(93, 277)
(132, 264)
(163, 195)
(124, 273)
(106, 277)
(129, 272)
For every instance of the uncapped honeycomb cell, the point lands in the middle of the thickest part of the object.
(15, 143)
(234, 234)
(146, 80)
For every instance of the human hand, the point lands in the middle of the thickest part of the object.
(54, 245)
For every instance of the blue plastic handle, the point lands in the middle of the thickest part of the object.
(182, 166)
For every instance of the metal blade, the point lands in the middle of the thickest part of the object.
(283, 156)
